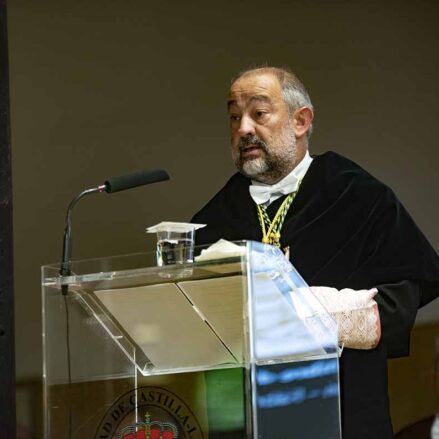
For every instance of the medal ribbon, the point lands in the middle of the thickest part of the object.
(271, 229)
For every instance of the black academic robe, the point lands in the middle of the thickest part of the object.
(345, 229)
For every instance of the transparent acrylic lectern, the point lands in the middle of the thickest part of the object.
(231, 347)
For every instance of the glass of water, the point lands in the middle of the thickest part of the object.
(175, 247)
(175, 242)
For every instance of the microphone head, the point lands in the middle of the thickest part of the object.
(129, 181)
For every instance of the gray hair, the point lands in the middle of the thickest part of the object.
(293, 91)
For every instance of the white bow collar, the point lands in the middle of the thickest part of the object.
(266, 194)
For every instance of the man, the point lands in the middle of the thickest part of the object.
(342, 229)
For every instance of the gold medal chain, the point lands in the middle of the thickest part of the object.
(271, 229)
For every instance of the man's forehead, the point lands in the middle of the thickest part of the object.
(262, 87)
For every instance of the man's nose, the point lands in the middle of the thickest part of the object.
(246, 127)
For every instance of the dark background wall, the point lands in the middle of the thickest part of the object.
(105, 87)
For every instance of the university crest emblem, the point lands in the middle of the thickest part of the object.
(149, 413)
(149, 430)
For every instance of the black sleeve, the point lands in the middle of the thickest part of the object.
(398, 304)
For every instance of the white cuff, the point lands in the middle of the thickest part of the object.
(356, 314)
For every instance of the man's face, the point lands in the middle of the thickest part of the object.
(262, 135)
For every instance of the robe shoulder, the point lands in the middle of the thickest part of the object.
(339, 175)
(230, 214)
(225, 199)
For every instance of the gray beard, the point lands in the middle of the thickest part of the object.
(254, 167)
(275, 164)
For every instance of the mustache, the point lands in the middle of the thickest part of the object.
(254, 140)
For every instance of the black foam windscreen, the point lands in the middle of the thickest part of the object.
(129, 181)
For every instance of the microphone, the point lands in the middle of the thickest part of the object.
(123, 182)
(115, 184)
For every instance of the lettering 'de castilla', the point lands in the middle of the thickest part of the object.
(153, 396)
(166, 400)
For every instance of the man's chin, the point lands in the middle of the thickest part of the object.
(254, 167)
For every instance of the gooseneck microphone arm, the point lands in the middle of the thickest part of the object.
(67, 243)
(112, 185)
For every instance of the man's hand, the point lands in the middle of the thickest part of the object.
(356, 313)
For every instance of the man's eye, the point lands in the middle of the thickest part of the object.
(260, 113)
(234, 118)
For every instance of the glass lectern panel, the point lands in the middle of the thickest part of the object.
(233, 345)
(294, 347)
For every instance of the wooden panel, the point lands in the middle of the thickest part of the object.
(411, 380)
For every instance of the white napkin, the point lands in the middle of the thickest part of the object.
(219, 250)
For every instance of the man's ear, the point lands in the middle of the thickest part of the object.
(302, 119)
